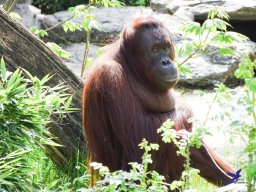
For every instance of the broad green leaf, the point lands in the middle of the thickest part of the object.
(5, 174)
(186, 48)
(207, 27)
(217, 12)
(52, 184)
(226, 51)
(71, 26)
(58, 50)
(43, 33)
(251, 84)
(191, 28)
(220, 24)
(184, 70)
(16, 75)
(68, 102)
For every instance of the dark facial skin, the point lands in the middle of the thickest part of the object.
(161, 71)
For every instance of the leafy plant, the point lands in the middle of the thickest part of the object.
(212, 33)
(26, 105)
(139, 178)
(39, 32)
(183, 140)
(89, 22)
(246, 128)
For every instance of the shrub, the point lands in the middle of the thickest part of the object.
(26, 105)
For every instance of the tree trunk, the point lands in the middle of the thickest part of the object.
(20, 48)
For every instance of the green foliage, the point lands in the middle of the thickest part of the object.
(244, 127)
(58, 50)
(139, 178)
(246, 72)
(183, 140)
(89, 23)
(39, 32)
(26, 105)
(213, 32)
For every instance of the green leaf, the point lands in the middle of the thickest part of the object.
(15, 15)
(217, 12)
(3, 70)
(184, 70)
(45, 79)
(37, 31)
(246, 69)
(207, 27)
(58, 50)
(68, 102)
(220, 24)
(191, 28)
(43, 33)
(5, 174)
(154, 146)
(71, 26)
(227, 38)
(186, 48)
(16, 75)
(226, 51)
(251, 84)
(52, 184)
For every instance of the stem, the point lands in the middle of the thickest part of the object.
(86, 51)
(62, 22)
(187, 167)
(9, 5)
(189, 57)
(209, 109)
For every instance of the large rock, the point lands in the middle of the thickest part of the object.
(206, 70)
(212, 69)
(29, 14)
(111, 23)
(237, 10)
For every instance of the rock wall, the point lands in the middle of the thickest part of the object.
(207, 70)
